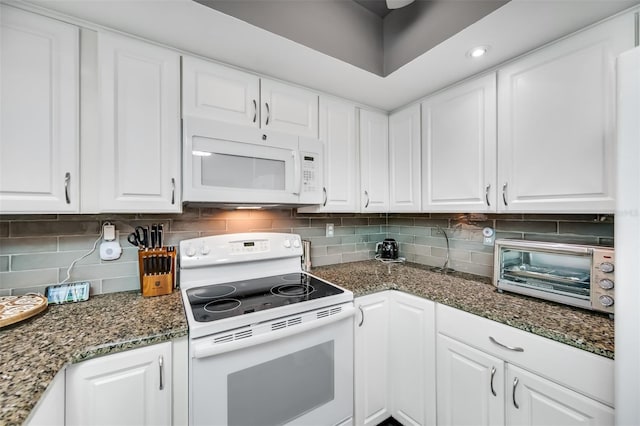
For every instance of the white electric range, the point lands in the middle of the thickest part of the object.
(269, 344)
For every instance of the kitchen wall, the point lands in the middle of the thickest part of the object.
(36, 250)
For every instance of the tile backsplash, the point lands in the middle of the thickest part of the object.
(36, 250)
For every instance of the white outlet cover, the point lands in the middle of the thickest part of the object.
(329, 230)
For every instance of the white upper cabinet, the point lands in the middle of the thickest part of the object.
(217, 92)
(556, 123)
(459, 148)
(39, 82)
(289, 109)
(139, 98)
(221, 93)
(404, 160)
(374, 164)
(341, 175)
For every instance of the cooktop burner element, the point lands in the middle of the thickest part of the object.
(210, 303)
(288, 290)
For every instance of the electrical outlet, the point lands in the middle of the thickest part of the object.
(488, 236)
(329, 230)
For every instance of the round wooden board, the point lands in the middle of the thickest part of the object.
(17, 308)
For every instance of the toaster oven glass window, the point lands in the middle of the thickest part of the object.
(567, 274)
(236, 171)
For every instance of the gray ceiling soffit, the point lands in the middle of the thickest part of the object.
(355, 31)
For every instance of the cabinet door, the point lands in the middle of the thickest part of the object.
(127, 388)
(459, 148)
(140, 126)
(289, 109)
(50, 408)
(556, 124)
(534, 401)
(216, 92)
(371, 359)
(412, 360)
(341, 177)
(404, 160)
(374, 164)
(470, 385)
(39, 65)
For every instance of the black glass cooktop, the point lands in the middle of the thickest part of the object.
(218, 301)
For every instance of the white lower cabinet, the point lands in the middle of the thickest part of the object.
(534, 401)
(50, 409)
(412, 357)
(371, 381)
(493, 374)
(128, 388)
(470, 385)
(394, 359)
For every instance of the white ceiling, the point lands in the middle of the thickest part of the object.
(511, 30)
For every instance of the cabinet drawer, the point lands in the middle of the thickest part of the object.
(582, 371)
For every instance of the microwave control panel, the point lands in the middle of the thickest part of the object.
(310, 173)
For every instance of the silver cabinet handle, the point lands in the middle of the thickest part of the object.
(266, 123)
(511, 348)
(173, 191)
(361, 316)
(67, 180)
(161, 366)
(367, 203)
(255, 110)
(486, 195)
(515, 385)
(324, 192)
(504, 194)
(493, 374)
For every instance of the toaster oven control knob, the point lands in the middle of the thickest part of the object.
(606, 284)
(606, 301)
(606, 267)
(287, 243)
(190, 251)
(205, 250)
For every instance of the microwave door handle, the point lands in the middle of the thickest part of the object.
(296, 172)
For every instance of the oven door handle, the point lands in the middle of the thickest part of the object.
(207, 347)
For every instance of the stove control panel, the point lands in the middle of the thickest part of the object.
(234, 248)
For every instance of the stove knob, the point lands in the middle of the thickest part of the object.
(606, 284)
(205, 250)
(606, 301)
(606, 267)
(287, 243)
(190, 251)
(296, 243)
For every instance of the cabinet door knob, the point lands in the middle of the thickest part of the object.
(493, 374)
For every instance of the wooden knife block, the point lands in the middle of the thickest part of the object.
(154, 283)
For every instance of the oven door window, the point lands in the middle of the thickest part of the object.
(296, 383)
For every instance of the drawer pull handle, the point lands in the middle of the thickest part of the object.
(493, 374)
(511, 348)
(362, 316)
(515, 385)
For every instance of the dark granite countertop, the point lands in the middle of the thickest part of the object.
(590, 331)
(33, 351)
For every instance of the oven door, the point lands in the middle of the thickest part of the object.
(301, 373)
(232, 164)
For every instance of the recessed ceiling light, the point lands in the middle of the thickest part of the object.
(478, 52)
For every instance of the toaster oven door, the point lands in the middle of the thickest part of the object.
(559, 276)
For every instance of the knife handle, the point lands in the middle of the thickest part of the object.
(154, 235)
(160, 235)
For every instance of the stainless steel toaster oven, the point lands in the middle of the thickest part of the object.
(576, 275)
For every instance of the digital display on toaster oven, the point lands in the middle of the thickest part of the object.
(249, 244)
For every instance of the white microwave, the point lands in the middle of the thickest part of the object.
(229, 165)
